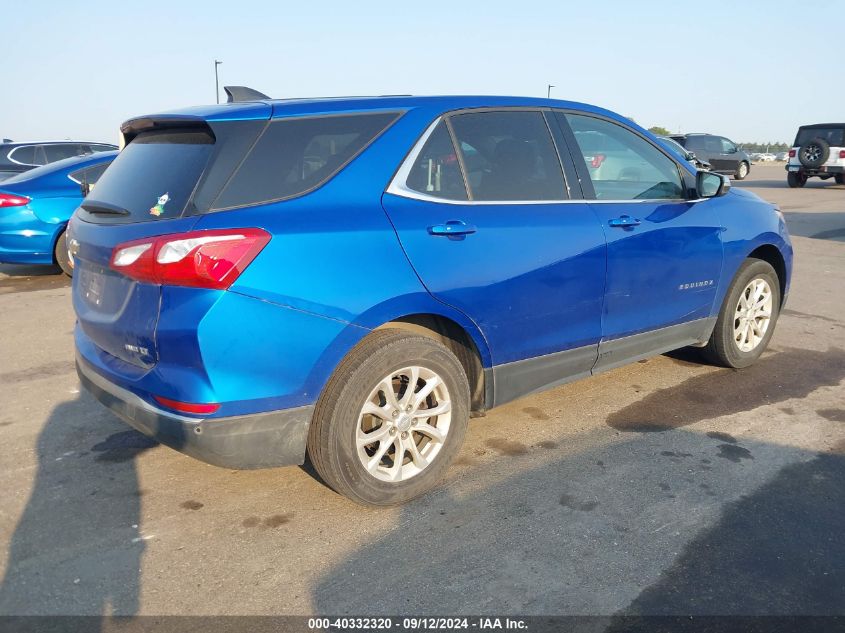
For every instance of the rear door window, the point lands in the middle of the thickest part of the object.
(294, 156)
(60, 151)
(154, 176)
(508, 156)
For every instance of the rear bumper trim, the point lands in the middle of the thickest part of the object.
(262, 440)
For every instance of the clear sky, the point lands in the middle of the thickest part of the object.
(752, 70)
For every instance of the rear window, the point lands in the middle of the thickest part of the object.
(295, 156)
(154, 176)
(833, 135)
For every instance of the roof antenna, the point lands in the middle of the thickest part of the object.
(237, 94)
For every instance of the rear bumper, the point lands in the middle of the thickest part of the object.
(824, 170)
(262, 440)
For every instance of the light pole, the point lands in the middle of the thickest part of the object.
(216, 81)
(549, 91)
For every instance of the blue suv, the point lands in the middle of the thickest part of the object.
(355, 278)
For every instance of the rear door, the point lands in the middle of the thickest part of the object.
(493, 230)
(147, 190)
(664, 252)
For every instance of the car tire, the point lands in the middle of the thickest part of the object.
(742, 171)
(840, 179)
(814, 153)
(747, 318)
(354, 405)
(796, 179)
(61, 255)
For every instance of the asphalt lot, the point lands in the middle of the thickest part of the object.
(663, 487)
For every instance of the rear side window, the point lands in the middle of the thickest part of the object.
(694, 143)
(89, 176)
(295, 156)
(509, 156)
(24, 155)
(154, 176)
(713, 144)
(833, 136)
(436, 171)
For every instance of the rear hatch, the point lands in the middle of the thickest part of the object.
(160, 183)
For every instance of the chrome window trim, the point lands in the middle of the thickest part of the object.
(398, 186)
(9, 156)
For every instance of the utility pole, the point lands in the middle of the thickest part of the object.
(549, 91)
(216, 81)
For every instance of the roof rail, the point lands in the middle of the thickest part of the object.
(237, 94)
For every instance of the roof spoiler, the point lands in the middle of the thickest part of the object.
(236, 94)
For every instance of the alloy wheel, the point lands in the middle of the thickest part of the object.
(753, 314)
(403, 424)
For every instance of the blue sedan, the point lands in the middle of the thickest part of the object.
(36, 205)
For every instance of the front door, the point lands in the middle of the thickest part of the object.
(664, 251)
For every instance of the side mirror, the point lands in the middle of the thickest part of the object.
(710, 185)
(690, 155)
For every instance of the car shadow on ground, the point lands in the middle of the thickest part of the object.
(19, 278)
(94, 523)
(819, 226)
(547, 543)
(660, 521)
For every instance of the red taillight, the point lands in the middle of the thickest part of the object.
(9, 200)
(598, 159)
(199, 259)
(187, 407)
(792, 153)
(842, 153)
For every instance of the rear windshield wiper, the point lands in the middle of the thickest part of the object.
(104, 208)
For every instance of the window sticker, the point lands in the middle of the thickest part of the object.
(158, 209)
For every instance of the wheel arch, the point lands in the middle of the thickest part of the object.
(771, 254)
(461, 343)
(61, 227)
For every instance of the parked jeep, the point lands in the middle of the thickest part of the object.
(818, 151)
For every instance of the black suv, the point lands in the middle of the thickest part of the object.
(722, 153)
(19, 157)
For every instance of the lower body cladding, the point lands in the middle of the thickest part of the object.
(262, 440)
